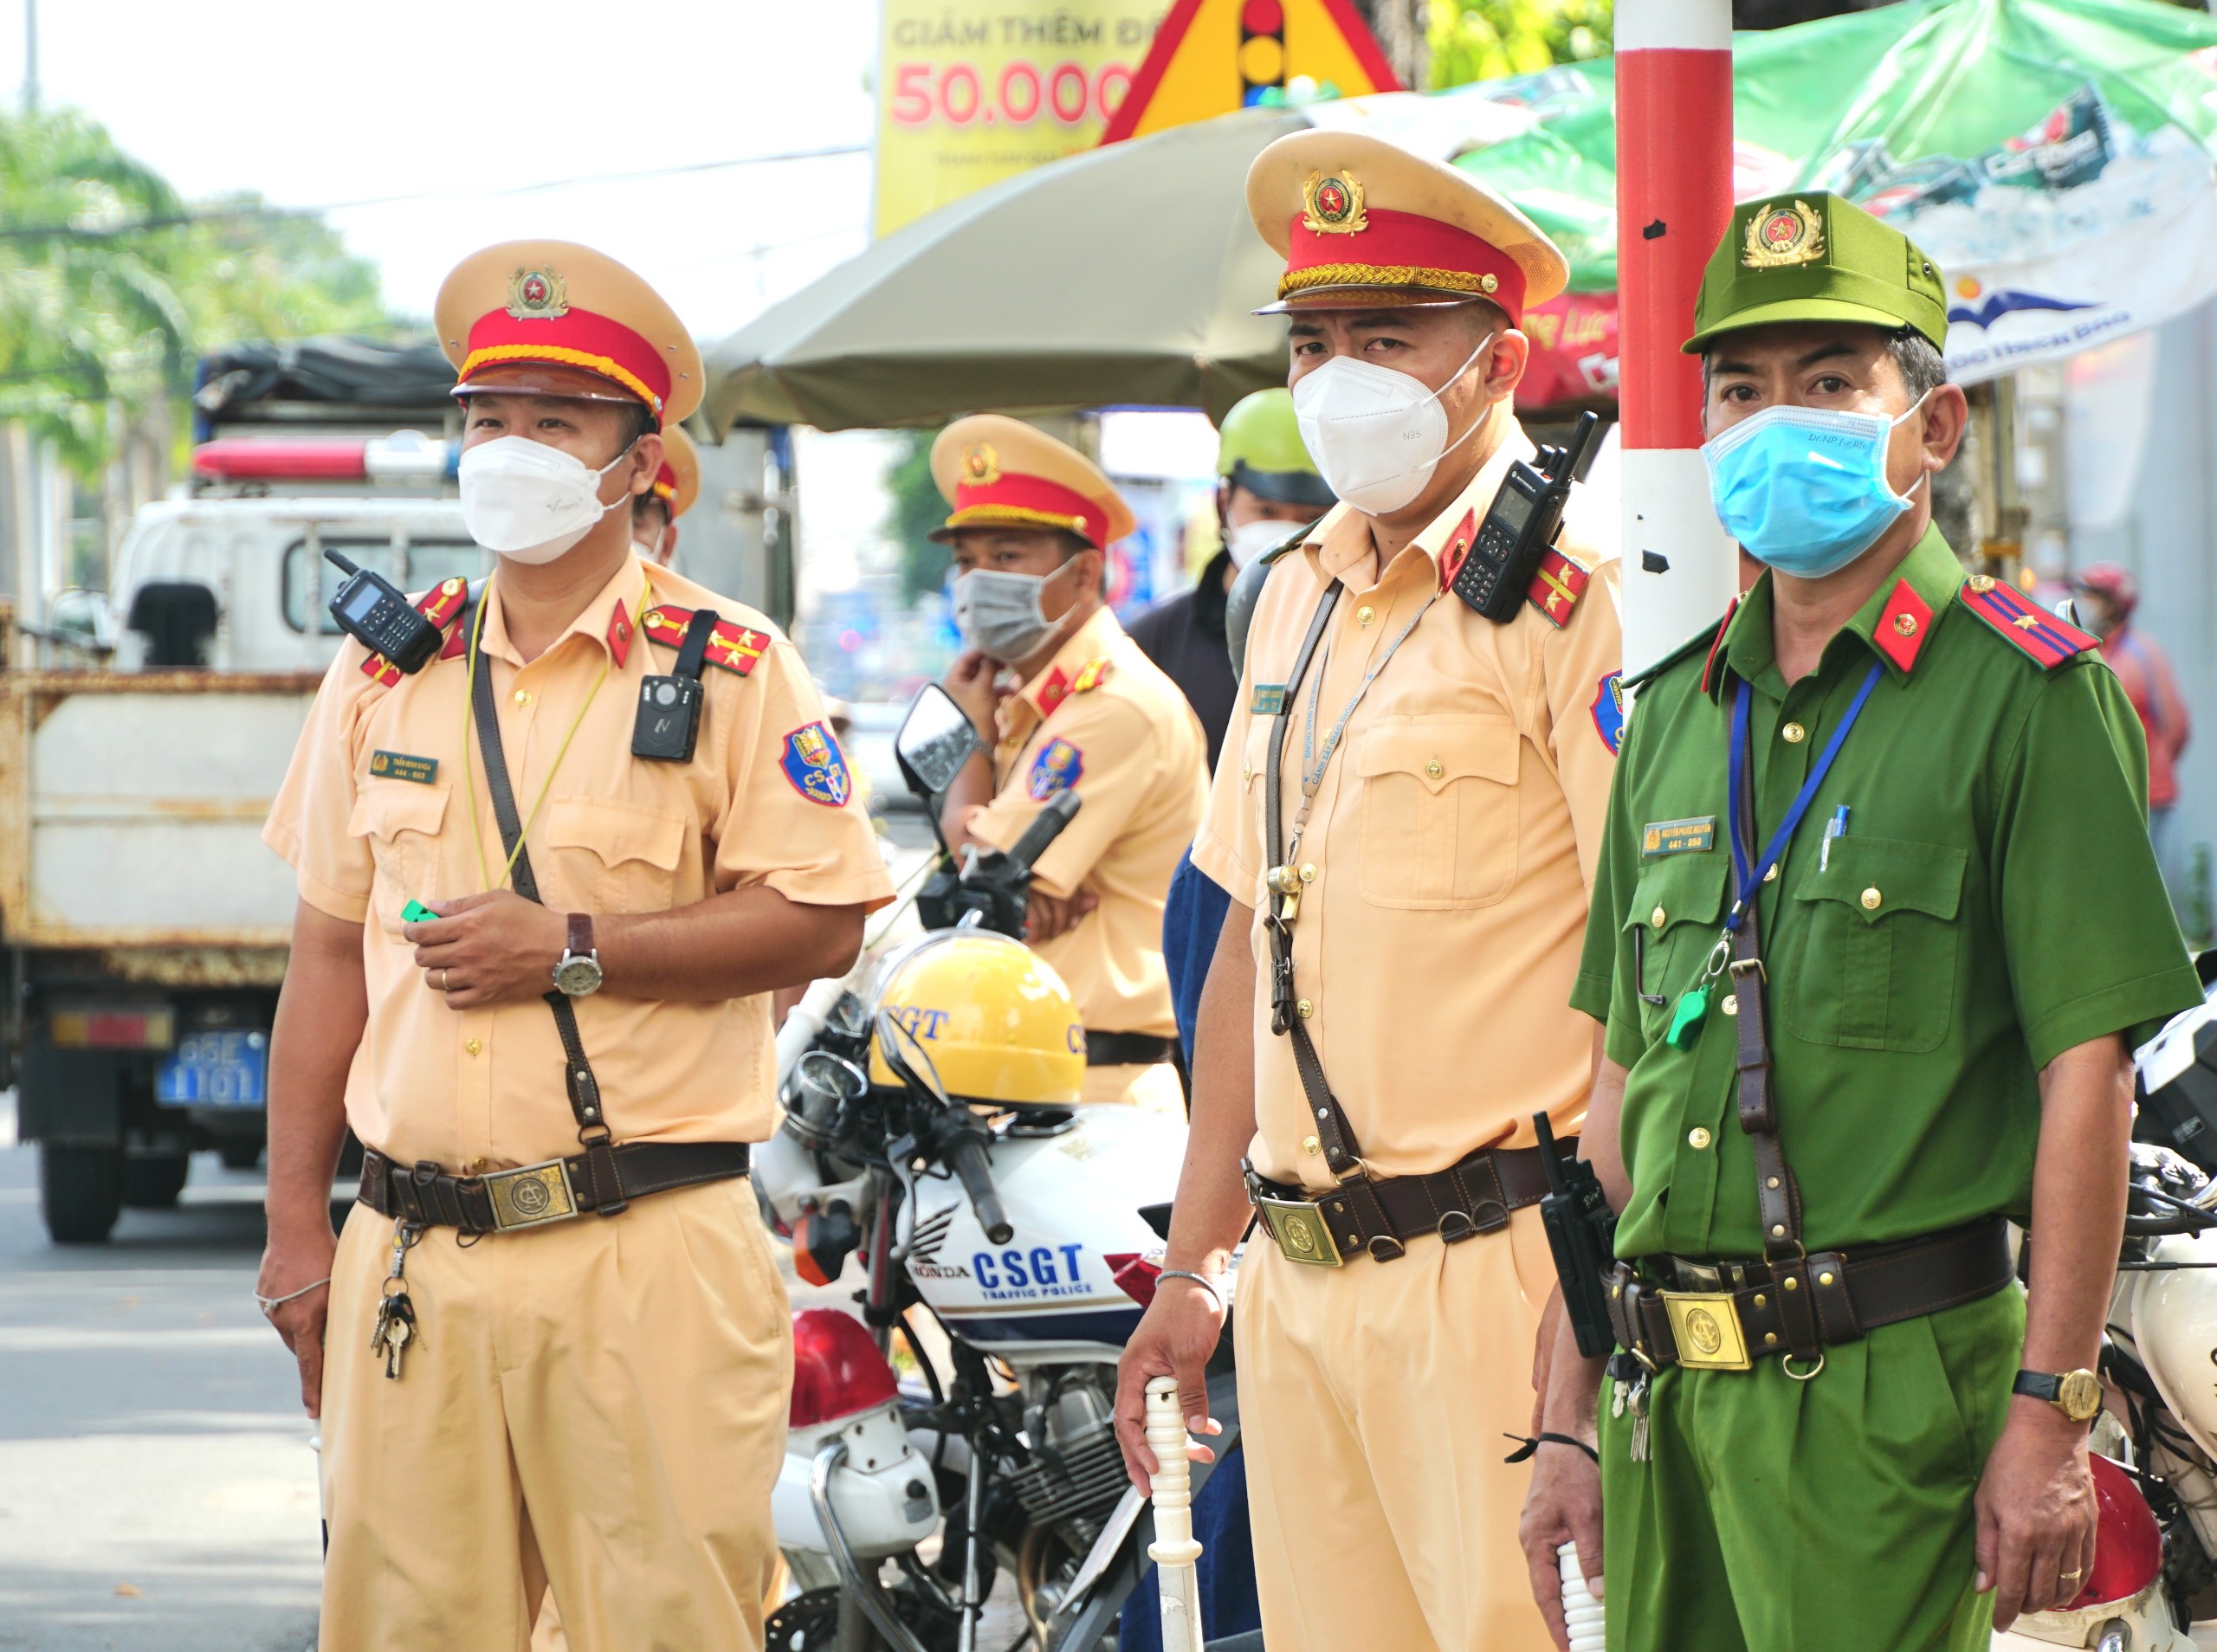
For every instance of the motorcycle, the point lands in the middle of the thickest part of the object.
(1023, 1238)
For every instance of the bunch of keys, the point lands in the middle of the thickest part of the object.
(1630, 1381)
(396, 1322)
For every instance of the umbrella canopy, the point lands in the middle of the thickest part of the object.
(1123, 275)
(2053, 157)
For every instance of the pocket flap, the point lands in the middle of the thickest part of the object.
(1878, 876)
(616, 832)
(1440, 751)
(387, 808)
(1683, 888)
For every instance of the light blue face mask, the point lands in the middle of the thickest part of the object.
(1804, 489)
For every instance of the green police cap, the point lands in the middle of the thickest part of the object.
(1811, 256)
(1259, 448)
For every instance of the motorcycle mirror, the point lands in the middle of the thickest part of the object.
(935, 741)
(904, 1053)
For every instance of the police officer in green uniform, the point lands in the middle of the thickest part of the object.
(1875, 932)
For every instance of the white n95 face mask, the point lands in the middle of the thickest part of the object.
(1250, 539)
(528, 501)
(1376, 434)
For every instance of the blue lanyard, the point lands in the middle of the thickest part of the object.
(1746, 879)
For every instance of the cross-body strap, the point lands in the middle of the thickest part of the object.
(1333, 1133)
(579, 1083)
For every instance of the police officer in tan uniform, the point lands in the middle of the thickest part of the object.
(1070, 701)
(1440, 782)
(532, 971)
(677, 485)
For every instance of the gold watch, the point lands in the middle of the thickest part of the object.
(2077, 1394)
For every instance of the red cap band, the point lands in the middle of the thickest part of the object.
(1017, 500)
(1403, 249)
(574, 338)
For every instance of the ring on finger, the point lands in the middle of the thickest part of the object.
(440, 985)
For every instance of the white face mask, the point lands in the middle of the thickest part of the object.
(999, 614)
(1375, 433)
(528, 501)
(1250, 539)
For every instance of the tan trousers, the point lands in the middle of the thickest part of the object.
(595, 1408)
(1373, 1403)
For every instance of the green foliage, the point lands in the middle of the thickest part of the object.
(110, 284)
(917, 509)
(1487, 40)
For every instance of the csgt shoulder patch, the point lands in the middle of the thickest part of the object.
(813, 762)
(1608, 709)
(1056, 769)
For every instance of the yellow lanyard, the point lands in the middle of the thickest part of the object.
(469, 701)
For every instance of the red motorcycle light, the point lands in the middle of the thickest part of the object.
(837, 1369)
(1135, 1275)
(2128, 1544)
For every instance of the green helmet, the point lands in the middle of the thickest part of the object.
(1258, 448)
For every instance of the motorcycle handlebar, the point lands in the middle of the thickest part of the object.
(966, 1155)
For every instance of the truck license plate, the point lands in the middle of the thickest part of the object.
(216, 1070)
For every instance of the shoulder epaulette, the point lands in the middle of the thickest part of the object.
(1092, 676)
(2050, 640)
(440, 605)
(1557, 586)
(1709, 637)
(730, 646)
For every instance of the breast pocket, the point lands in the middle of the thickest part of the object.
(1678, 906)
(623, 855)
(1877, 965)
(402, 820)
(1439, 810)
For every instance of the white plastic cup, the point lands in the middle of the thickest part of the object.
(1581, 1613)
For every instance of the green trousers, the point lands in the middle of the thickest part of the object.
(1831, 1515)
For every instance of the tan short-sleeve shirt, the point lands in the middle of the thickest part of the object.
(1454, 835)
(1102, 718)
(765, 800)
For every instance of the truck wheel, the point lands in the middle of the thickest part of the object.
(81, 1191)
(239, 1155)
(155, 1184)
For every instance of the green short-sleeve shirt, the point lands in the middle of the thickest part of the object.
(1992, 902)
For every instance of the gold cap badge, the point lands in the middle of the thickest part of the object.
(1783, 236)
(1331, 204)
(981, 465)
(537, 295)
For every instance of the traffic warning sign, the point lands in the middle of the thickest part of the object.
(1212, 56)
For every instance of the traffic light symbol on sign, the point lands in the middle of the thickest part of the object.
(1211, 57)
(1262, 48)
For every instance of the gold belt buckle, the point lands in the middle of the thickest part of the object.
(530, 1194)
(1706, 1327)
(1298, 1227)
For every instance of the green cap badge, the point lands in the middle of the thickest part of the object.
(1811, 256)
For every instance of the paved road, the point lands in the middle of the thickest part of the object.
(156, 1488)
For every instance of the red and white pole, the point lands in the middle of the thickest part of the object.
(1674, 200)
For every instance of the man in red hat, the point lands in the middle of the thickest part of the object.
(530, 967)
(2107, 595)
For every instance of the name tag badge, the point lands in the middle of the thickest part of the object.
(398, 766)
(1268, 700)
(1695, 836)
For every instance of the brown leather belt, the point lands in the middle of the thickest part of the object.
(553, 1189)
(1724, 1316)
(1378, 1216)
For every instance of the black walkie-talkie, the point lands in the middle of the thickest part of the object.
(377, 614)
(1523, 521)
(669, 721)
(1581, 1231)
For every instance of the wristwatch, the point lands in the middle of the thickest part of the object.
(2077, 1394)
(578, 971)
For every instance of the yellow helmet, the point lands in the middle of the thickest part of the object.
(995, 1019)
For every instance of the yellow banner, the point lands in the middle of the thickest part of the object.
(973, 91)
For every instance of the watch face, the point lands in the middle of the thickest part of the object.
(577, 976)
(2079, 1394)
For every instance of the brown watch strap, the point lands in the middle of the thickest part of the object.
(581, 934)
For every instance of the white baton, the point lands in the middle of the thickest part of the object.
(1581, 1613)
(1174, 1550)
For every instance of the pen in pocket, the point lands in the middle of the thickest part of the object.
(1836, 827)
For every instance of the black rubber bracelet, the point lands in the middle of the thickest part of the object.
(1531, 1446)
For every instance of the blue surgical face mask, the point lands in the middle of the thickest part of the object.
(1804, 489)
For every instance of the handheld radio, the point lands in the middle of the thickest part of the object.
(377, 614)
(1523, 521)
(1581, 1230)
(669, 720)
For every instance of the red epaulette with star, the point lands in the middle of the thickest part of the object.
(439, 605)
(733, 647)
(1557, 586)
(2050, 640)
